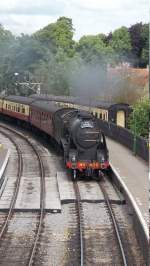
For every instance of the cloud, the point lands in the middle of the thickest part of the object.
(26, 24)
(89, 16)
(38, 7)
(107, 4)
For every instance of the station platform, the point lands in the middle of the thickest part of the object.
(134, 172)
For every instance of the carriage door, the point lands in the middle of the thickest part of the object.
(121, 118)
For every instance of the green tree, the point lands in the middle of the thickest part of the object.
(28, 53)
(58, 35)
(139, 34)
(53, 74)
(7, 41)
(5, 35)
(139, 118)
(145, 45)
(121, 42)
(93, 48)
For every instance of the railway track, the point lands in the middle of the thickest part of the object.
(115, 224)
(101, 243)
(3, 131)
(80, 224)
(19, 174)
(84, 229)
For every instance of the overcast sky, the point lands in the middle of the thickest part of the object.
(89, 16)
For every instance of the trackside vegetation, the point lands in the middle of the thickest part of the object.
(139, 118)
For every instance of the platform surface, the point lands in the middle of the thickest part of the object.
(134, 172)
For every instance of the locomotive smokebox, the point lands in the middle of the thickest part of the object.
(84, 131)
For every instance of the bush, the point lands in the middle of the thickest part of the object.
(139, 118)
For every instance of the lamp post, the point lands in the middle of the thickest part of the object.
(16, 74)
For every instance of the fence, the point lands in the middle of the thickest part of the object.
(126, 137)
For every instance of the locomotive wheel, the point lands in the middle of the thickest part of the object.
(98, 175)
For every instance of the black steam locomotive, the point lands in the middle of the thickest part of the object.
(83, 143)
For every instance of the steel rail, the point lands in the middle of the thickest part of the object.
(77, 192)
(42, 209)
(115, 225)
(19, 174)
(42, 193)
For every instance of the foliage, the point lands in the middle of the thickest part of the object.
(145, 47)
(139, 34)
(52, 73)
(63, 66)
(139, 118)
(58, 35)
(6, 53)
(121, 43)
(5, 35)
(94, 49)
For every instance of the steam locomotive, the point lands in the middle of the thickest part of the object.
(83, 143)
(76, 131)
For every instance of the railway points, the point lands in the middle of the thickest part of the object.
(134, 173)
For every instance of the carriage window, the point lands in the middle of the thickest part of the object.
(23, 110)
